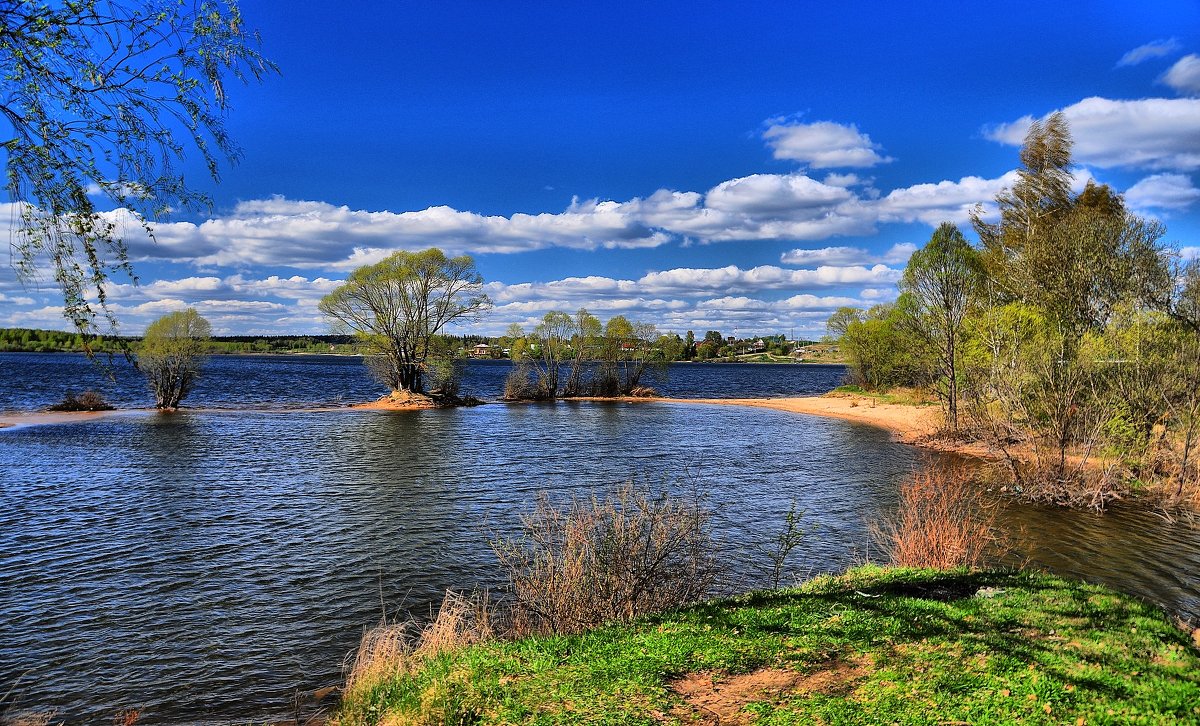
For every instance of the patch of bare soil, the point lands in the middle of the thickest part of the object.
(721, 700)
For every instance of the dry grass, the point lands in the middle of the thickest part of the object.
(607, 560)
(944, 520)
(398, 649)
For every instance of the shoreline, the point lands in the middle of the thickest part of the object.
(908, 423)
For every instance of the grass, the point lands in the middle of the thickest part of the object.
(900, 396)
(869, 646)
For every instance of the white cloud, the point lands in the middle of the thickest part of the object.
(1184, 76)
(822, 144)
(1151, 133)
(896, 254)
(1163, 191)
(16, 300)
(1190, 253)
(945, 201)
(1153, 49)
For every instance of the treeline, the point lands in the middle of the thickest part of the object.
(1068, 338)
(50, 341)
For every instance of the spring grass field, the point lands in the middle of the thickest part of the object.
(870, 646)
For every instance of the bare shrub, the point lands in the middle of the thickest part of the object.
(518, 386)
(944, 520)
(604, 560)
(397, 649)
(642, 392)
(86, 401)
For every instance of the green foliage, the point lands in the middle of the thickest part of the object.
(882, 348)
(102, 98)
(171, 353)
(871, 646)
(398, 305)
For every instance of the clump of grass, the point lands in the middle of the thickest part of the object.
(944, 520)
(614, 559)
(86, 401)
(394, 650)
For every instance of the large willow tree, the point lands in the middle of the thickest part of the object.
(399, 304)
(99, 100)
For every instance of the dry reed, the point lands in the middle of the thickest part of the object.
(392, 650)
(944, 520)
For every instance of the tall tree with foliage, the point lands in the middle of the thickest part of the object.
(101, 99)
(398, 304)
(171, 353)
(943, 280)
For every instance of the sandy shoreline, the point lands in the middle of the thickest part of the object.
(909, 424)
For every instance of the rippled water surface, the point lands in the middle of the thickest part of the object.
(205, 566)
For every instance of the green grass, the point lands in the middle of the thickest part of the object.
(901, 396)
(889, 647)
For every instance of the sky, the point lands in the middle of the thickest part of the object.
(743, 167)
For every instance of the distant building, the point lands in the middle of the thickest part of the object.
(483, 350)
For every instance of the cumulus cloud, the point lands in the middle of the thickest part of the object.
(1150, 133)
(1184, 76)
(898, 253)
(822, 144)
(945, 201)
(1151, 50)
(1163, 191)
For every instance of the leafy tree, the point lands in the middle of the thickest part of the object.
(399, 304)
(943, 280)
(553, 336)
(689, 346)
(102, 97)
(882, 349)
(588, 332)
(171, 353)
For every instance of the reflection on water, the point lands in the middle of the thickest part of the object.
(206, 566)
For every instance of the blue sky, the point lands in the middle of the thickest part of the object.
(694, 165)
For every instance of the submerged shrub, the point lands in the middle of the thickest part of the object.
(86, 401)
(603, 560)
(944, 520)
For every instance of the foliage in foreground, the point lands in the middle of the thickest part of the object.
(870, 646)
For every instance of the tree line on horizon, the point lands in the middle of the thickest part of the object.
(1068, 338)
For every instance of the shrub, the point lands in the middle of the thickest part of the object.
(86, 401)
(603, 560)
(944, 520)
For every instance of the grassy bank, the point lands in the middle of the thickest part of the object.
(871, 646)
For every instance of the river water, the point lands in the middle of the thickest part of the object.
(205, 566)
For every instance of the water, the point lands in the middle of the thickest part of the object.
(205, 566)
(30, 381)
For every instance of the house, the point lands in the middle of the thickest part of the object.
(482, 350)
(758, 346)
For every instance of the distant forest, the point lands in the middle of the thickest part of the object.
(26, 340)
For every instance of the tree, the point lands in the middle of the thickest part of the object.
(943, 280)
(397, 305)
(101, 97)
(553, 336)
(171, 354)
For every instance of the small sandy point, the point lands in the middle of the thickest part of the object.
(401, 401)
